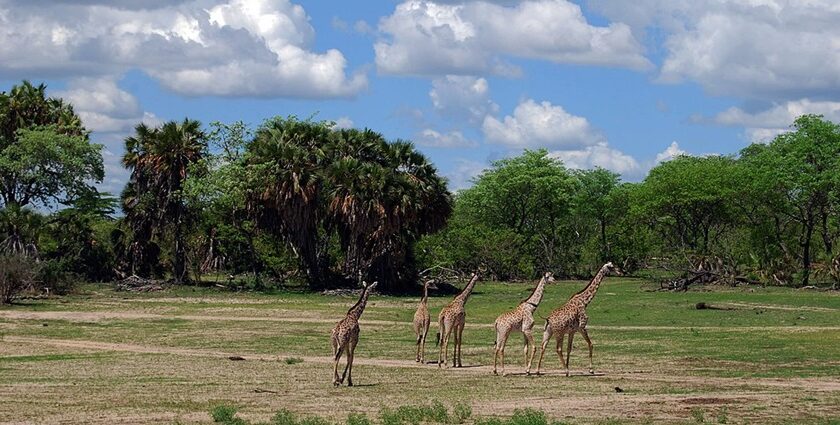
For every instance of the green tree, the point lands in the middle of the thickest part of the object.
(528, 199)
(793, 182)
(593, 203)
(690, 201)
(160, 160)
(45, 154)
(312, 186)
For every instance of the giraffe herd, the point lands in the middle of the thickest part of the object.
(568, 319)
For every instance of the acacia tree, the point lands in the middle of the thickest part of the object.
(160, 159)
(525, 201)
(794, 182)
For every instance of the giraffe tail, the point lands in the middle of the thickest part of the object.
(437, 339)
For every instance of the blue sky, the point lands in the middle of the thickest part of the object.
(622, 85)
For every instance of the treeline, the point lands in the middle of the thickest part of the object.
(769, 215)
(302, 200)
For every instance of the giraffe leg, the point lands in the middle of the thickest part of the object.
(559, 348)
(545, 340)
(350, 355)
(455, 347)
(423, 345)
(499, 350)
(441, 343)
(569, 351)
(419, 340)
(346, 366)
(533, 347)
(338, 352)
(525, 348)
(588, 342)
(460, 331)
(444, 348)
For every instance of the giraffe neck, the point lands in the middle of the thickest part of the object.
(425, 298)
(461, 299)
(536, 296)
(588, 293)
(359, 308)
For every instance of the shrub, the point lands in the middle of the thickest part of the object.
(17, 273)
(55, 275)
(293, 360)
(226, 415)
(358, 419)
(284, 417)
(461, 412)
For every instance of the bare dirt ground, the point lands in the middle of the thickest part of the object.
(121, 362)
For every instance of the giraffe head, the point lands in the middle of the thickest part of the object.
(430, 284)
(549, 277)
(610, 267)
(369, 287)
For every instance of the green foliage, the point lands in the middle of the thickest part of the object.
(317, 188)
(292, 360)
(226, 415)
(358, 419)
(160, 160)
(525, 416)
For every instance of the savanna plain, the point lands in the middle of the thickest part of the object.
(760, 355)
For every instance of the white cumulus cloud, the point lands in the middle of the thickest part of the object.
(462, 97)
(436, 139)
(541, 125)
(428, 38)
(200, 47)
(763, 49)
(764, 125)
(600, 155)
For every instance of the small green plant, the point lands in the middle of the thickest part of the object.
(698, 415)
(461, 412)
(721, 416)
(528, 416)
(358, 419)
(226, 414)
(293, 360)
(284, 417)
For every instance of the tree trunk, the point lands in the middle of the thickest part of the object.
(806, 248)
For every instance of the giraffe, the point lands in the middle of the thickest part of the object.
(345, 336)
(571, 318)
(520, 319)
(451, 320)
(422, 320)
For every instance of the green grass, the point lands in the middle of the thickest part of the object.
(650, 343)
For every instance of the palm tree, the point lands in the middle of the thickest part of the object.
(285, 160)
(160, 160)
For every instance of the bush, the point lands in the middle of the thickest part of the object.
(17, 273)
(226, 415)
(358, 419)
(55, 276)
(284, 417)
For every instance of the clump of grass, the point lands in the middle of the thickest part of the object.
(698, 415)
(284, 417)
(293, 360)
(358, 419)
(461, 412)
(414, 415)
(721, 416)
(525, 416)
(226, 415)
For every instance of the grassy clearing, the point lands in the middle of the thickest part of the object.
(771, 354)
